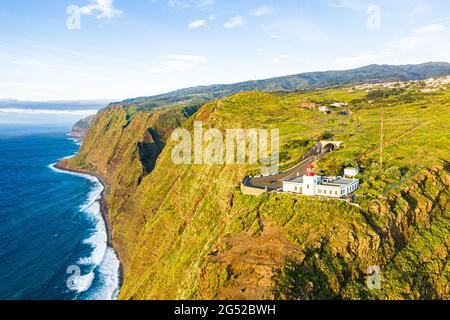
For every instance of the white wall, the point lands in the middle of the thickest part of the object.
(294, 187)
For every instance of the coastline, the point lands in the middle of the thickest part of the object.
(103, 210)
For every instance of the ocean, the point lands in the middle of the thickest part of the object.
(53, 241)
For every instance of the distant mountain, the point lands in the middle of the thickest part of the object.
(55, 105)
(298, 82)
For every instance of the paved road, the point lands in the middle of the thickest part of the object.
(276, 181)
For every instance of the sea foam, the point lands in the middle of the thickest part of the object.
(103, 260)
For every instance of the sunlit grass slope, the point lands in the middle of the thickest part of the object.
(186, 231)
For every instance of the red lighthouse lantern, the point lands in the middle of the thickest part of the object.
(310, 172)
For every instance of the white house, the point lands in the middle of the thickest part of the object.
(325, 110)
(312, 185)
(351, 172)
(339, 104)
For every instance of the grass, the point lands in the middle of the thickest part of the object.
(166, 224)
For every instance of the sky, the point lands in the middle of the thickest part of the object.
(117, 49)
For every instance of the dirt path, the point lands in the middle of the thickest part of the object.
(253, 262)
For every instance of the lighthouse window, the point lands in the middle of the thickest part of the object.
(320, 191)
(307, 186)
(335, 193)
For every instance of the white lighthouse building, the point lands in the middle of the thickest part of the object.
(313, 185)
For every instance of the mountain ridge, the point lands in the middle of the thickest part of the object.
(373, 73)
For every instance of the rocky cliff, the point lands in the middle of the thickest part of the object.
(80, 129)
(186, 231)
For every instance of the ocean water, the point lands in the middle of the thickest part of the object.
(53, 241)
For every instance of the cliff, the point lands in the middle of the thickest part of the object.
(186, 231)
(80, 129)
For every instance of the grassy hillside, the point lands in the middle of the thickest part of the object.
(123, 146)
(186, 231)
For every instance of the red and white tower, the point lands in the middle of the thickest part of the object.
(310, 181)
(310, 170)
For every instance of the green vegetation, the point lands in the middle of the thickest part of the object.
(197, 96)
(187, 231)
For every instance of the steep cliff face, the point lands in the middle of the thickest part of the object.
(418, 238)
(122, 146)
(186, 231)
(406, 236)
(80, 129)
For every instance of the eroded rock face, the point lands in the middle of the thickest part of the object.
(80, 129)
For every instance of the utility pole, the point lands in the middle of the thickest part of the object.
(256, 90)
(381, 138)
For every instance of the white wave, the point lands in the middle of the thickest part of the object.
(109, 278)
(49, 112)
(75, 174)
(102, 258)
(78, 142)
(83, 283)
(99, 239)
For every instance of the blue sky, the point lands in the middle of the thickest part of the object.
(126, 48)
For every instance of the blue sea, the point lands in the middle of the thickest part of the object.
(53, 241)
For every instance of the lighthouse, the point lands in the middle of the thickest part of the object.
(313, 185)
(310, 180)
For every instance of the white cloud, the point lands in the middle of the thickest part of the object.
(301, 30)
(197, 24)
(426, 43)
(359, 59)
(262, 11)
(420, 9)
(418, 37)
(234, 22)
(348, 4)
(183, 4)
(189, 58)
(178, 63)
(48, 112)
(102, 9)
(277, 58)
